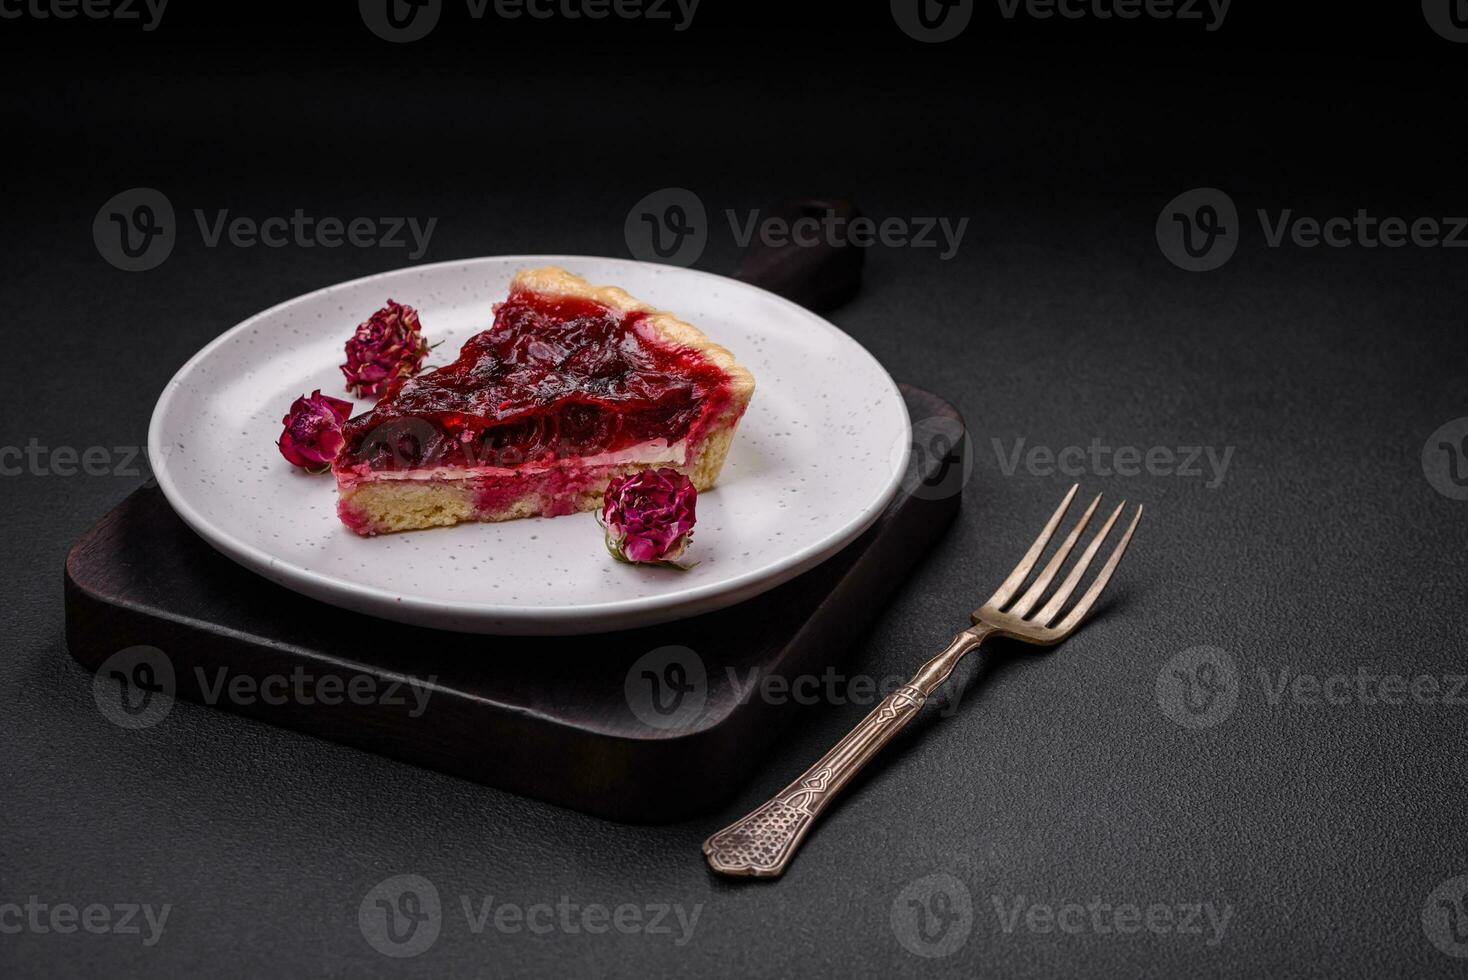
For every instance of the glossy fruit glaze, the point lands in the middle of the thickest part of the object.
(554, 377)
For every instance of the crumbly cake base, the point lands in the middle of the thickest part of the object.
(372, 507)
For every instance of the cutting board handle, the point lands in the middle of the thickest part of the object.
(819, 276)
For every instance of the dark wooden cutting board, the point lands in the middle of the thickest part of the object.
(644, 725)
(570, 720)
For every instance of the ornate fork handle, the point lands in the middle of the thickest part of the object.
(762, 844)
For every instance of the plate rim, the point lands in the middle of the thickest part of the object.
(583, 617)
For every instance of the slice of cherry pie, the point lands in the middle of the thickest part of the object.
(573, 384)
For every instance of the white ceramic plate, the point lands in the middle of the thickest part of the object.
(819, 455)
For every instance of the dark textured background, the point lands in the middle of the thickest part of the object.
(1060, 779)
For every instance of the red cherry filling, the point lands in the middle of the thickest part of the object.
(554, 377)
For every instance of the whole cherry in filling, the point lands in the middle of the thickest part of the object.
(554, 377)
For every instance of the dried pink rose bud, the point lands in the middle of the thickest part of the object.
(388, 346)
(648, 517)
(313, 431)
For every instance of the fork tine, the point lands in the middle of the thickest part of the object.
(1022, 570)
(1073, 618)
(1036, 592)
(1057, 601)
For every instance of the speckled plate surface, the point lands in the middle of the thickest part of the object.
(819, 455)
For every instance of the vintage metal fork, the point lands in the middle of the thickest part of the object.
(763, 843)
